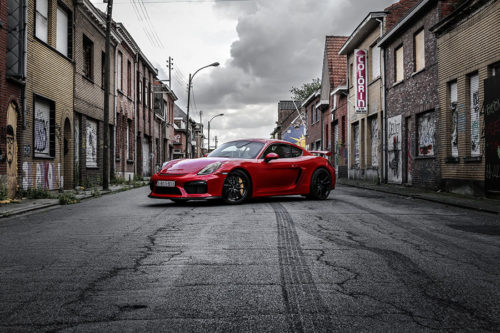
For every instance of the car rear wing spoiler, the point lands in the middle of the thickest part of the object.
(322, 153)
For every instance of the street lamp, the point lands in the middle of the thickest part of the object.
(218, 115)
(215, 64)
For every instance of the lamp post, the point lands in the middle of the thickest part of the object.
(217, 115)
(215, 64)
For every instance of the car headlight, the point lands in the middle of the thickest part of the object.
(210, 168)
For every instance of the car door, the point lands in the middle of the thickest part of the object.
(278, 176)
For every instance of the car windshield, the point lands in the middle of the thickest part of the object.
(238, 149)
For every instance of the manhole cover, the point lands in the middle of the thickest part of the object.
(492, 230)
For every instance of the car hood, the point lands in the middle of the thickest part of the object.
(191, 166)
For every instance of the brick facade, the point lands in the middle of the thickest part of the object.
(415, 160)
(313, 117)
(468, 44)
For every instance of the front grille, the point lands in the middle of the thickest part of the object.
(198, 187)
(167, 190)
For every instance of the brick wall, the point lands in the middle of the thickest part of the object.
(49, 74)
(313, 128)
(468, 47)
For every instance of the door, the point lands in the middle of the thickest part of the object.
(145, 158)
(409, 151)
(11, 150)
(279, 175)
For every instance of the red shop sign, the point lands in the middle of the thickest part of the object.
(360, 83)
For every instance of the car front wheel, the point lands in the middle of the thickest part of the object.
(236, 188)
(321, 183)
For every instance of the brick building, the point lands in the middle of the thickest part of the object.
(125, 129)
(468, 44)
(366, 112)
(290, 125)
(333, 75)
(411, 96)
(164, 120)
(146, 142)
(48, 137)
(179, 133)
(340, 156)
(12, 76)
(314, 119)
(89, 78)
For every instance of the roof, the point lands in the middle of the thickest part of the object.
(336, 63)
(289, 105)
(311, 97)
(178, 112)
(359, 34)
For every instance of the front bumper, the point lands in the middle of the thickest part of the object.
(188, 186)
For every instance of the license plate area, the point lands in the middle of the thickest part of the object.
(165, 183)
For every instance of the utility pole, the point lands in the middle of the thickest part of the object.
(107, 88)
(170, 65)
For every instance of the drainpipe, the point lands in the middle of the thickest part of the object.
(384, 114)
(136, 62)
(115, 95)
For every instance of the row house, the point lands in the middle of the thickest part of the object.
(47, 138)
(12, 92)
(164, 100)
(333, 76)
(290, 125)
(89, 86)
(314, 121)
(468, 56)
(365, 81)
(179, 133)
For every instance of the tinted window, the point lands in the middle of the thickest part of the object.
(283, 150)
(238, 149)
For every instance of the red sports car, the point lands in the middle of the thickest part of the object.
(241, 169)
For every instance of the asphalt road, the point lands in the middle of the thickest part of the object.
(359, 261)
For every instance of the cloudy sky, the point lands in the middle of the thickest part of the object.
(265, 47)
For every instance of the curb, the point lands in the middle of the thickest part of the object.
(423, 197)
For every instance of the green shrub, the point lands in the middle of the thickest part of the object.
(68, 199)
(36, 193)
(4, 193)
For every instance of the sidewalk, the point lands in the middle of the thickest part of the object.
(451, 199)
(27, 205)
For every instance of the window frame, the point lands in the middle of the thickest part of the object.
(45, 38)
(417, 68)
(396, 50)
(119, 70)
(88, 43)
(69, 30)
(51, 136)
(372, 59)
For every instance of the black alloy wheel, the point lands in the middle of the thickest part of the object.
(321, 183)
(236, 188)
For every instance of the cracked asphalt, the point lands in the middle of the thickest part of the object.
(359, 261)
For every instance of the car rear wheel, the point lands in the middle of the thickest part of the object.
(321, 183)
(236, 188)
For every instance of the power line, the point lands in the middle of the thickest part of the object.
(183, 1)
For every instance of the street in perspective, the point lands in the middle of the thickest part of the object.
(249, 166)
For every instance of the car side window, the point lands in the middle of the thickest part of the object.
(283, 150)
(295, 152)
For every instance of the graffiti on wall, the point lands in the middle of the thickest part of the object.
(374, 141)
(41, 129)
(426, 130)
(454, 130)
(394, 149)
(357, 147)
(91, 144)
(295, 134)
(475, 144)
(42, 175)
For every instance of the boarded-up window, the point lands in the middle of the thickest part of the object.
(475, 144)
(43, 127)
(375, 62)
(399, 64)
(374, 141)
(129, 79)
(454, 119)
(357, 145)
(419, 50)
(42, 20)
(426, 130)
(91, 144)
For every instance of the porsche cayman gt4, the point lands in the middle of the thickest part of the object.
(242, 169)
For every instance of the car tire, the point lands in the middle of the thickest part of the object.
(321, 184)
(236, 188)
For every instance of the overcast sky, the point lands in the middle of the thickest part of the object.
(265, 47)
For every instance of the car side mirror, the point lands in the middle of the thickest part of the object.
(271, 156)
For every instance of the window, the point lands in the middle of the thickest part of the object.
(351, 73)
(475, 143)
(139, 87)
(418, 40)
(130, 135)
(327, 137)
(150, 101)
(15, 39)
(495, 69)
(103, 69)
(91, 143)
(426, 128)
(88, 55)
(398, 60)
(357, 146)
(145, 92)
(375, 62)
(64, 27)
(44, 128)
(343, 129)
(129, 78)
(374, 141)
(283, 150)
(452, 91)
(119, 71)
(42, 20)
